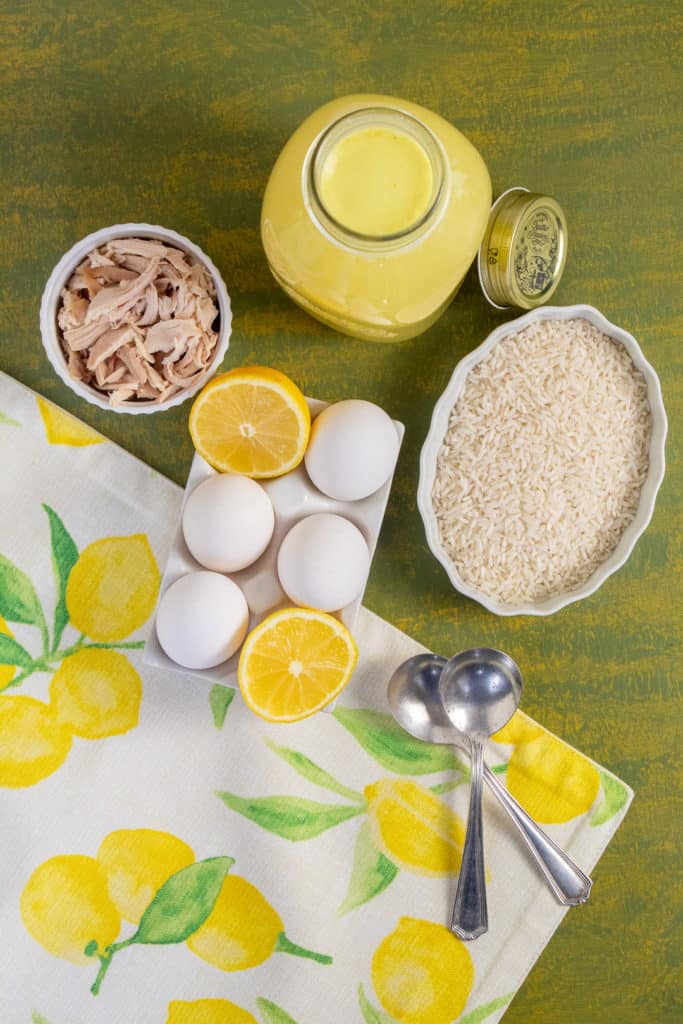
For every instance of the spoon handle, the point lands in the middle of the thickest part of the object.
(470, 915)
(567, 881)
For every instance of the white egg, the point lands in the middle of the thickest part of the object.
(352, 450)
(323, 562)
(202, 619)
(228, 521)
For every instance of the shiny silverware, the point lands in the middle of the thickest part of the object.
(480, 691)
(416, 705)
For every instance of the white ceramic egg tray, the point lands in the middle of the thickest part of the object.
(294, 497)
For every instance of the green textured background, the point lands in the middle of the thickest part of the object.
(174, 113)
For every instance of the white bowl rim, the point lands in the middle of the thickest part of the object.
(648, 495)
(63, 270)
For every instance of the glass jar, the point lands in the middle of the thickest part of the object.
(373, 213)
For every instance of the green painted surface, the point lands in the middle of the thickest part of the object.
(174, 113)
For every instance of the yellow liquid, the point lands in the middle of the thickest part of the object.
(398, 291)
(377, 182)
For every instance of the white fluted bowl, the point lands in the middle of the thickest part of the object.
(51, 300)
(439, 426)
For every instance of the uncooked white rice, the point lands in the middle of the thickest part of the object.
(542, 465)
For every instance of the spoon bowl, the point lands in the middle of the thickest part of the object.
(415, 701)
(480, 690)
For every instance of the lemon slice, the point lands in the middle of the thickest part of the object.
(294, 663)
(252, 420)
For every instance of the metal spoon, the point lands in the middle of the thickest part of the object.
(416, 705)
(480, 689)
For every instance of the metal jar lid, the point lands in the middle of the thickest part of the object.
(524, 250)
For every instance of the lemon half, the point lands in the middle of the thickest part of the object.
(294, 663)
(252, 420)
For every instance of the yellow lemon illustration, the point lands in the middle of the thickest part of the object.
(63, 428)
(136, 862)
(207, 1011)
(6, 671)
(33, 743)
(113, 587)
(65, 905)
(414, 828)
(241, 930)
(422, 973)
(96, 693)
(552, 782)
(520, 729)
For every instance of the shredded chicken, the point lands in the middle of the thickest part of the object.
(138, 321)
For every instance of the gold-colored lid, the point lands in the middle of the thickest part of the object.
(524, 250)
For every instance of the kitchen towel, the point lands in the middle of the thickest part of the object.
(168, 858)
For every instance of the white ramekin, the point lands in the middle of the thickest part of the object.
(50, 302)
(437, 432)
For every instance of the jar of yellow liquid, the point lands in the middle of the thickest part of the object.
(373, 213)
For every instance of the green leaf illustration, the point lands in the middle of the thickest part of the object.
(184, 902)
(311, 771)
(178, 909)
(371, 873)
(395, 750)
(484, 1011)
(12, 653)
(291, 817)
(18, 599)
(8, 421)
(272, 1014)
(284, 944)
(64, 557)
(615, 797)
(446, 787)
(220, 699)
(370, 1014)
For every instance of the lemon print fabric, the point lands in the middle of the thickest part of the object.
(422, 973)
(74, 905)
(222, 1011)
(551, 780)
(7, 672)
(136, 863)
(241, 930)
(208, 1011)
(8, 421)
(520, 729)
(112, 588)
(96, 693)
(415, 828)
(402, 824)
(104, 593)
(63, 428)
(33, 743)
(65, 905)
